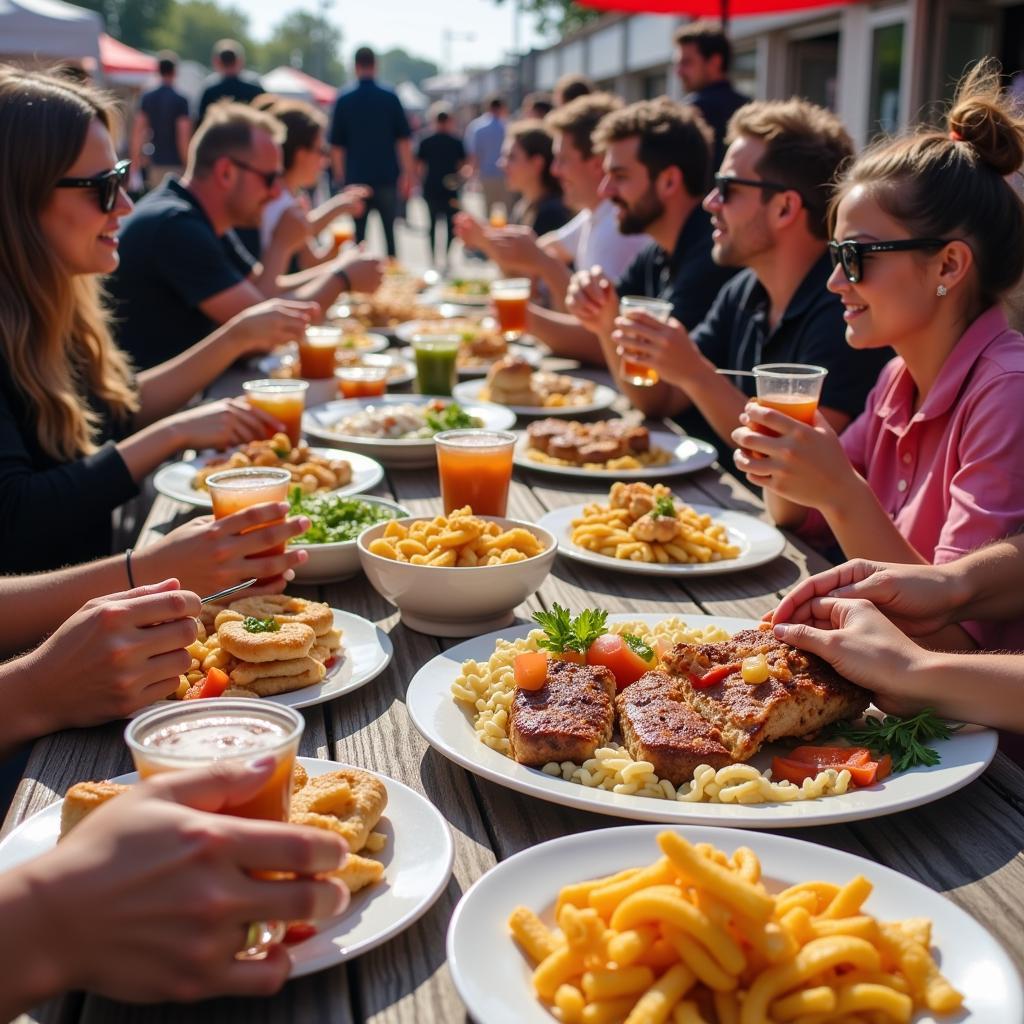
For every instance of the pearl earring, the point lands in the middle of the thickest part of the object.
(942, 291)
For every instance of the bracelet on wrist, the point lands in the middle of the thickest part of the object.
(128, 568)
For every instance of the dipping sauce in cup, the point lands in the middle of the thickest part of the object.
(637, 374)
(791, 388)
(435, 355)
(510, 297)
(235, 489)
(285, 399)
(475, 467)
(362, 381)
(317, 349)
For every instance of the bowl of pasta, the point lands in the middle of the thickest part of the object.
(456, 575)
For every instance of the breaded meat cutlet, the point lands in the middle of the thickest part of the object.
(658, 725)
(83, 798)
(801, 695)
(567, 719)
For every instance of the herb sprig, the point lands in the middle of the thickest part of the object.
(904, 739)
(664, 506)
(565, 633)
(638, 646)
(251, 624)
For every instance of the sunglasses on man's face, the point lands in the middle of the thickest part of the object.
(724, 184)
(269, 177)
(850, 255)
(107, 185)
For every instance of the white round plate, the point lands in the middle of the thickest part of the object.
(689, 454)
(417, 865)
(604, 396)
(269, 364)
(758, 543)
(175, 481)
(524, 352)
(446, 726)
(493, 976)
(405, 452)
(405, 331)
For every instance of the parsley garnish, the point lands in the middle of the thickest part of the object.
(638, 646)
(253, 625)
(665, 506)
(904, 739)
(565, 633)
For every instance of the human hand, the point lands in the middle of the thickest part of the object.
(292, 229)
(802, 463)
(209, 555)
(151, 896)
(860, 643)
(222, 424)
(353, 199)
(664, 347)
(472, 233)
(593, 300)
(515, 250)
(116, 654)
(265, 326)
(365, 273)
(405, 185)
(918, 599)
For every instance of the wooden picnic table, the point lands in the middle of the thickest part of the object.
(968, 845)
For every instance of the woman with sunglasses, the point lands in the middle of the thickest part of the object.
(928, 239)
(78, 431)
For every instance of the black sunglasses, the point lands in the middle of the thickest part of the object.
(725, 182)
(269, 177)
(107, 185)
(851, 254)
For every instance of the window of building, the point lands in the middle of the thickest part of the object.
(744, 71)
(813, 64)
(886, 67)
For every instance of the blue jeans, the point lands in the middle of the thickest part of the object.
(385, 201)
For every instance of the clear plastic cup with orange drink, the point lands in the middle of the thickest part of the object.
(510, 297)
(318, 348)
(283, 399)
(234, 489)
(362, 381)
(499, 215)
(635, 373)
(343, 232)
(790, 388)
(475, 467)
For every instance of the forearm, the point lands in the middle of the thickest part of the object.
(982, 688)
(987, 582)
(405, 156)
(290, 282)
(274, 262)
(147, 448)
(556, 275)
(564, 335)
(338, 164)
(717, 399)
(658, 401)
(319, 218)
(322, 286)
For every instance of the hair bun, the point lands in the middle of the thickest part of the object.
(983, 118)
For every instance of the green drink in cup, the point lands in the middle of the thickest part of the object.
(436, 372)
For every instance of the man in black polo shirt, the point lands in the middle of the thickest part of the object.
(230, 80)
(703, 54)
(769, 214)
(657, 159)
(369, 136)
(183, 270)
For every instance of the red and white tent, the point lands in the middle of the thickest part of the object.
(295, 84)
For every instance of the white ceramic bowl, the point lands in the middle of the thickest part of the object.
(328, 563)
(457, 602)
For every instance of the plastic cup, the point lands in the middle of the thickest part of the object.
(317, 350)
(362, 381)
(234, 489)
(436, 354)
(343, 232)
(634, 373)
(284, 399)
(499, 215)
(475, 467)
(510, 297)
(790, 388)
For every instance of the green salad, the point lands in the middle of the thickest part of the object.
(451, 417)
(335, 519)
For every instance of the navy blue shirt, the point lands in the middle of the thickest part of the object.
(171, 260)
(368, 121)
(688, 278)
(163, 106)
(717, 102)
(243, 88)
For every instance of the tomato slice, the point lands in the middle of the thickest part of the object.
(783, 768)
(619, 658)
(713, 676)
(573, 657)
(299, 931)
(530, 670)
(811, 760)
(215, 683)
(831, 757)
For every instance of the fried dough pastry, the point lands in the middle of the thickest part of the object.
(358, 872)
(83, 798)
(292, 640)
(245, 674)
(271, 686)
(368, 799)
(315, 614)
(299, 777)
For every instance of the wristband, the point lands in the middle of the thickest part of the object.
(342, 275)
(128, 568)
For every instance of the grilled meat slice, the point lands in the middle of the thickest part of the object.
(658, 725)
(802, 693)
(567, 719)
(588, 442)
(540, 432)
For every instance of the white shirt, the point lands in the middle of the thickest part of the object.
(593, 237)
(272, 214)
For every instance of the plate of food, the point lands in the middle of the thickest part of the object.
(284, 364)
(647, 530)
(514, 382)
(482, 343)
(613, 447)
(928, 960)
(464, 291)
(400, 858)
(284, 649)
(314, 470)
(680, 719)
(399, 430)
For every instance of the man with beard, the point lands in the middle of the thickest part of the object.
(769, 211)
(183, 270)
(657, 162)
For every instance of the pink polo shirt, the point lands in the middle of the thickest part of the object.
(951, 475)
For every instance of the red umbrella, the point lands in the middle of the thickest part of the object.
(723, 9)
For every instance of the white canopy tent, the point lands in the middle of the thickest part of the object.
(48, 30)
